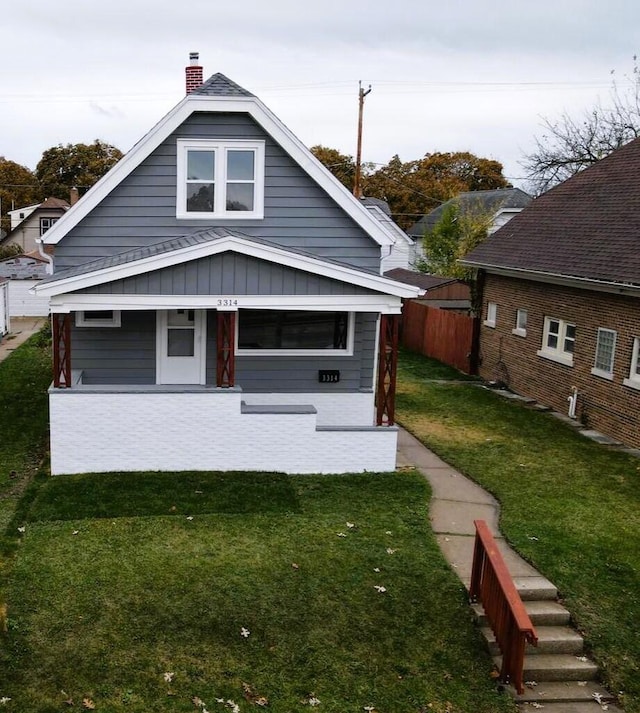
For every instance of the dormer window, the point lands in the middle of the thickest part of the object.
(220, 179)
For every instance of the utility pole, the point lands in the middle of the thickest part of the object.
(357, 191)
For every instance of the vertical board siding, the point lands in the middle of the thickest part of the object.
(142, 209)
(227, 274)
(118, 355)
(439, 334)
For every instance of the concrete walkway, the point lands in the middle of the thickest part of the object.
(456, 502)
(21, 329)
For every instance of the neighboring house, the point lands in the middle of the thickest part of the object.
(401, 254)
(217, 303)
(444, 292)
(37, 220)
(504, 203)
(561, 302)
(21, 271)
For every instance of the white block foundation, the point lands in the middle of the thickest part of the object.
(102, 429)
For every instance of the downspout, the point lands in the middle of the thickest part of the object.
(46, 256)
(573, 402)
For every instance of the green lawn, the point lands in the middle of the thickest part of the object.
(112, 584)
(570, 506)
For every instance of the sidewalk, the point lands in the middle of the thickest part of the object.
(456, 502)
(21, 329)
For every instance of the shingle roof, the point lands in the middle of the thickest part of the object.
(54, 203)
(499, 198)
(418, 279)
(166, 246)
(220, 86)
(587, 227)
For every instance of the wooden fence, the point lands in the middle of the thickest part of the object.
(440, 334)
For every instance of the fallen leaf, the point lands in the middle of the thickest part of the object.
(391, 551)
(168, 676)
(198, 702)
(88, 704)
(22, 529)
(295, 566)
(4, 700)
(376, 569)
(341, 534)
(379, 588)
(351, 525)
(245, 633)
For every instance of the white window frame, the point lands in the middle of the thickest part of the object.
(633, 381)
(348, 351)
(82, 321)
(520, 329)
(557, 354)
(492, 314)
(51, 222)
(604, 373)
(220, 148)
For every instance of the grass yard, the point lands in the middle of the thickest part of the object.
(132, 593)
(169, 569)
(570, 506)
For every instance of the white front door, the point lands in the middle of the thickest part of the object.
(181, 346)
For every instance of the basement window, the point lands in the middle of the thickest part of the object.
(98, 318)
(605, 351)
(558, 341)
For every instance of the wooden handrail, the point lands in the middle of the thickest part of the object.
(492, 585)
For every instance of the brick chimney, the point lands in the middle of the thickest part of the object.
(74, 195)
(193, 72)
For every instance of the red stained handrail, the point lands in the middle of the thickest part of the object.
(493, 587)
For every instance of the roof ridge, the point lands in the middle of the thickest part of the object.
(219, 84)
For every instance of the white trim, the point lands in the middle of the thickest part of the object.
(220, 148)
(558, 354)
(384, 304)
(633, 380)
(351, 328)
(518, 330)
(269, 253)
(265, 118)
(555, 356)
(81, 319)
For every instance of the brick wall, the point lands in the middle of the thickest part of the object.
(605, 405)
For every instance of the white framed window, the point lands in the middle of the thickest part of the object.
(605, 352)
(98, 318)
(521, 323)
(492, 314)
(46, 223)
(558, 341)
(289, 332)
(634, 372)
(220, 179)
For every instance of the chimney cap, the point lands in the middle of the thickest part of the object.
(194, 58)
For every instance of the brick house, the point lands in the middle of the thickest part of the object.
(561, 297)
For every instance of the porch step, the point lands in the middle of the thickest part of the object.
(541, 613)
(551, 640)
(555, 667)
(535, 588)
(570, 707)
(561, 692)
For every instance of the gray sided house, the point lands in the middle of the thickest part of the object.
(218, 303)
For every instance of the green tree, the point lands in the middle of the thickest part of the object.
(80, 165)
(18, 188)
(456, 234)
(414, 188)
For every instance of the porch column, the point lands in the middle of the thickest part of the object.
(225, 349)
(387, 367)
(61, 338)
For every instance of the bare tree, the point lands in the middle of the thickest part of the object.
(569, 145)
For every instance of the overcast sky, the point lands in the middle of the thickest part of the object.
(461, 75)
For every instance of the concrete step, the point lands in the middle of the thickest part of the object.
(555, 667)
(561, 692)
(569, 707)
(535, 588)
(541, 613)
(551, 640)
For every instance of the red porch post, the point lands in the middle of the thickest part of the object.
(225, 349)
(387, 367)
(61, 337)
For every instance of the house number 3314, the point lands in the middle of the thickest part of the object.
(227, 302)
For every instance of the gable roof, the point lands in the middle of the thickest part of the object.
(498, 199)
(220, 94)
(211, 241)
(587, 228)
(419, 279)
(381, 211)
